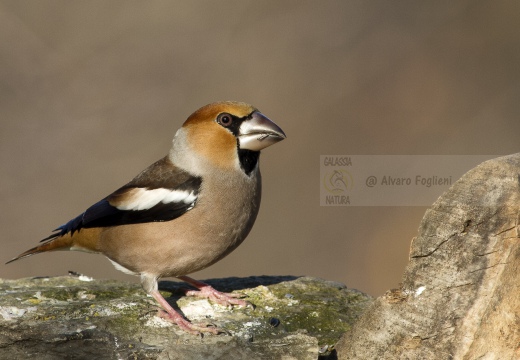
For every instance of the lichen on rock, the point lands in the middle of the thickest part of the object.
(51, 317)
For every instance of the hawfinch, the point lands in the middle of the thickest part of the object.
(186, 211)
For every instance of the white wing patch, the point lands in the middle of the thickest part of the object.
(144, 199)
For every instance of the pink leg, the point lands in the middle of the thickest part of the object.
(170, 314)
(208, 292)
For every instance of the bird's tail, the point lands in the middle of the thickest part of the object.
(57, 243)
(82, 240)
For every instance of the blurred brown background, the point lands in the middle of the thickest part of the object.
(92, 92)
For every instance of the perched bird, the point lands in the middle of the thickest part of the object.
(184, 212)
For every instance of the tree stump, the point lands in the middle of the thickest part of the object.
(460, 293)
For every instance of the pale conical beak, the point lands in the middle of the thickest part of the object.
(259, 132)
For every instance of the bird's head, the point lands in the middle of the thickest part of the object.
(225, 135)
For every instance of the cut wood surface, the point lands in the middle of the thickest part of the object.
(460, 293)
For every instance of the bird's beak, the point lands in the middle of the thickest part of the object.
(259, 132)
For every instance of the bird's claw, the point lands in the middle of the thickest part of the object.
(194, 329)
(221, 298)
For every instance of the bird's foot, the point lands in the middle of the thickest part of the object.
(208, 292)
(221, 298)
(194, 329)
(170, 314)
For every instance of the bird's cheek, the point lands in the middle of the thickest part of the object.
(218, 148)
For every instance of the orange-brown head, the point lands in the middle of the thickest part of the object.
(223, 135)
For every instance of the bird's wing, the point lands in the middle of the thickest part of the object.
(162, 192)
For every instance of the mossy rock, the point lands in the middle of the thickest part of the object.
(73, 317)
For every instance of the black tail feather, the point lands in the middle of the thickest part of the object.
(72, 226)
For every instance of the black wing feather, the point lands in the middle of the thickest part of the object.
(163, 175)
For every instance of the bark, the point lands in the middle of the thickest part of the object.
(460, 293)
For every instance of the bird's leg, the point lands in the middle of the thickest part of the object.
(149, 283)
(170, 314)
(208, 292)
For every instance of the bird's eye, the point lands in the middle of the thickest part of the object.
(225, 119)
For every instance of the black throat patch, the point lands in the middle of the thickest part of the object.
(248, 160)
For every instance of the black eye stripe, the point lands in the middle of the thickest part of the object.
(234, 125)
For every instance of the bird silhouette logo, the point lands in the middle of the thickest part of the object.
(337, 181)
